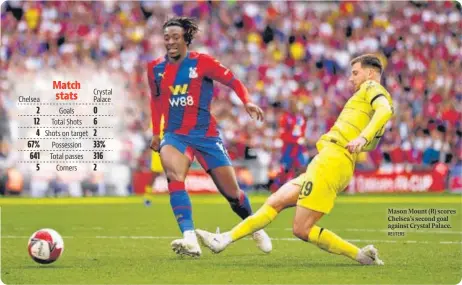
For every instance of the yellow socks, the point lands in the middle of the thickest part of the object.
(321, 237)
(331, 242)
(257, 221)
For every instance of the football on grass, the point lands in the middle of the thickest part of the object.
(45, 246)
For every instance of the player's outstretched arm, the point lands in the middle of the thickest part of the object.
(285, 197)
(222, 74)
(370, 136)
(252, 109)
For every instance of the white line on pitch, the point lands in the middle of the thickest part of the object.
(423, 231)
(276, 239)
(135, 237)
(9, 236)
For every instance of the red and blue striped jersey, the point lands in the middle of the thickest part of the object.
(182, 93)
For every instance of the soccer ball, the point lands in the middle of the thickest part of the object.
(45, 246)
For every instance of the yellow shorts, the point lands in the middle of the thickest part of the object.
(156, 165)
(329, 173)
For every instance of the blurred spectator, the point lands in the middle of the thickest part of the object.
(13, 182)
(58, 188)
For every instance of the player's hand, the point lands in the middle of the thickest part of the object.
(356, 145)
(254, 111)
(155, 143)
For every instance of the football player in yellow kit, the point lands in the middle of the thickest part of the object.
(358, 128)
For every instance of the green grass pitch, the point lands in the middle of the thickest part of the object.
(120, 241)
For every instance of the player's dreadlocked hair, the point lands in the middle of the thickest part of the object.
(188, 24)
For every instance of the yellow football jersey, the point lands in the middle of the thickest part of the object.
(356, 116)
(156, 165)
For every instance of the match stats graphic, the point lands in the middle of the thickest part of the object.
(67, 129)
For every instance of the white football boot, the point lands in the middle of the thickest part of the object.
(263, 241)
(218, 242)
(369, 255)
(187, 246)
(215, 242)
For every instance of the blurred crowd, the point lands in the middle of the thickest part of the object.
(285, 50)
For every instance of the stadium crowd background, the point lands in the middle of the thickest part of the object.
(281, 50)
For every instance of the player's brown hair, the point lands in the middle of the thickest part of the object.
(368, 60)
(188, 24)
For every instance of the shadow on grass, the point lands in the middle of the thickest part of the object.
(41, 267)
(292, 266)
(275, 263)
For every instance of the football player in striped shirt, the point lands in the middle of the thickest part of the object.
(182, 84)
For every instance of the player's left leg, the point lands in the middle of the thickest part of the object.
(214, 158)
(285, 197)
(224, 178)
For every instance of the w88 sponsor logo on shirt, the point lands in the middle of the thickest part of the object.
(181, 101)
(180, 90)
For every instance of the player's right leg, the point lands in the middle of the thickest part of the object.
(284, 198)
(176, 162)
(329, 173)
(306, 229)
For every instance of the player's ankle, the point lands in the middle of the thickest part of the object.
(190, 235)
(227, 237)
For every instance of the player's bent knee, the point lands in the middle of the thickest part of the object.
(275, 203)
(301, 232)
